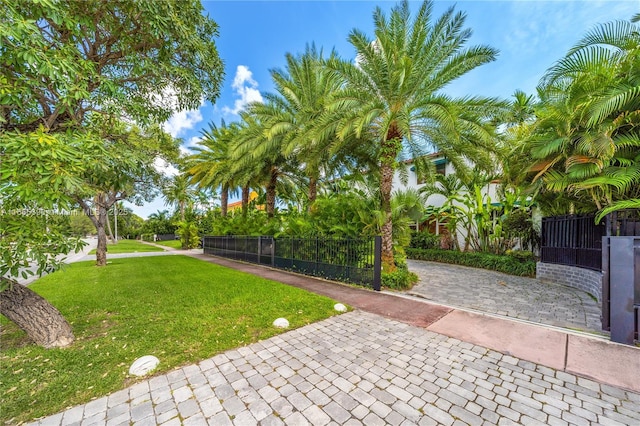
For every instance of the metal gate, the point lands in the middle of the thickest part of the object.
(621, 288)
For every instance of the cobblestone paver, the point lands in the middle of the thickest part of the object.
(361, 369)
(497, 293)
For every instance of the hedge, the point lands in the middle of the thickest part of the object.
(507, 264)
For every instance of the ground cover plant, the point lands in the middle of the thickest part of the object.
(129, 246)
(176, 308)
(515, 263)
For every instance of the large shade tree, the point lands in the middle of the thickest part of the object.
(68, 65)
(394, 94)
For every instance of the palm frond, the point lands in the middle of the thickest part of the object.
(617, 206)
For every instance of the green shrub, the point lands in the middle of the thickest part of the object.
(188, 232)
(521, 255)
(401, 279)
(507, 264)
(424, 240)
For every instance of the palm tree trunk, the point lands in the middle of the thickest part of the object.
(386, 180)
(389, 152)
(313, 191)
(224, 201)
(42, 322)
(245, 200)
(271, 193)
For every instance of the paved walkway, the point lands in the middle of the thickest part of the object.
(394, 361)
(507, 295)
(361, 369)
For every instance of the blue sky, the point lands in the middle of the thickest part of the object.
(256, 35)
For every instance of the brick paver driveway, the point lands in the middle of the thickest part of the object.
(497, 293)
(361, 369)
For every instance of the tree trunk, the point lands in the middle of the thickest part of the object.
(101, 249)
(390, 148)
(313, 191)
(110, 232)
(245, 200)
(271, 193)
(386, 180)
(224, 201)
(102, 204)
(42, 322)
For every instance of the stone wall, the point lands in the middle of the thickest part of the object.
(583, 279)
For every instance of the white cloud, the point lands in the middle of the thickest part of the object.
(165, 167)
(185, 148)
(246, 89)
(193, 141)
(182, 120)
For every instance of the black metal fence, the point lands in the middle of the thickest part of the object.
(350, 260)
(624, 223)
(573, 240)
(576, 240)
(166, 237)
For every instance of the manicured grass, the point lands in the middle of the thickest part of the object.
(177, 244)
(128, 246)
(176, 308)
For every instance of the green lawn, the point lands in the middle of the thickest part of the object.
(176, 308)
(170, 243)
(128, 246)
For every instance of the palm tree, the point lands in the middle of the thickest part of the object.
(177, 192)
(394, 94)
(303, 89)
(592, 148)
(210, 166)
(260, 159)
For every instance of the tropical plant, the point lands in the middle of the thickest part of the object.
(303, 90)
(260, 160)
(177, 192)
(209, 167)
(394, 95)
(587, 140)
(159, 223)
(188, 232)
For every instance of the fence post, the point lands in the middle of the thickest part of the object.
(259, 250)
(606, 315)
(622, 266)
(273, 251)
(377, 263)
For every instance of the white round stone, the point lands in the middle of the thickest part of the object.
(143, 365)
(340, 307)
(281, 323)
